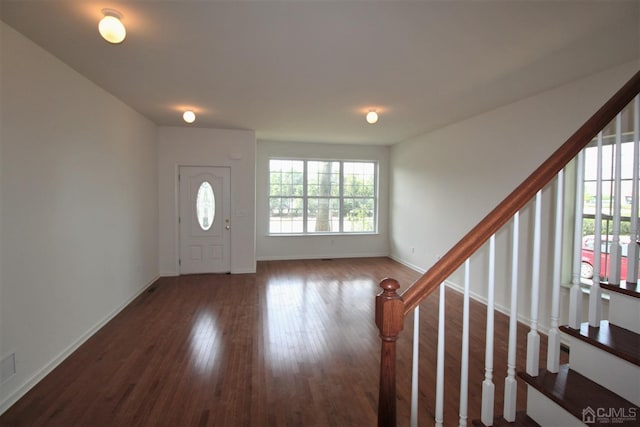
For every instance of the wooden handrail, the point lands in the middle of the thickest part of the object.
(391, 308)
(515, 201)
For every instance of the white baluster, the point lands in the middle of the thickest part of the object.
(615, 251)
(553, 347)
(510, 384)
(533, 339)
(575, 296)
(595, 295)
(488, 388)
(440, 364)
(464, 364)
(632, 255)
(414, 371)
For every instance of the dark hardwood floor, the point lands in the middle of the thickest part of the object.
(293, 345)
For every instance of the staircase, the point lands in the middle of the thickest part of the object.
(601, 383)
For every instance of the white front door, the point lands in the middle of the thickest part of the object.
(205, 230)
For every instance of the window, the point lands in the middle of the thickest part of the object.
(205, 206)
(608, 201)
(322, 196)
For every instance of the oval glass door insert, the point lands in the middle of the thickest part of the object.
(205, 206)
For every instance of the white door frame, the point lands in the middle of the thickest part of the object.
(178, 241)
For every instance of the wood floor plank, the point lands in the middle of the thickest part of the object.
(293, 345)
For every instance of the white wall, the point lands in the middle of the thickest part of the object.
(182, 146)
(3, 352)
(446, 181)
(79, 209)
(336, 246)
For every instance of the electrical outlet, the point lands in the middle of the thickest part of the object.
(7, 367)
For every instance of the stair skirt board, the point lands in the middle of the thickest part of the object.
(610, 371)
(548, 413)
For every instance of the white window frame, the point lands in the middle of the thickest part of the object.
(608, 141)
(341, 197)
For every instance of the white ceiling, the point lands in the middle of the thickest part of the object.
(308, 70)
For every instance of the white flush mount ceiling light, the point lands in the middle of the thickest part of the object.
(111, 27)
(372, 117)
(189, 116)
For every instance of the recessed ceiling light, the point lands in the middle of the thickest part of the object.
(189, 116)
(372, 117)
(111, 28)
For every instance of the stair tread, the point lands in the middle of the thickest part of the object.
(522, 419)
(618, 341)
(630, 289)
(575, 392)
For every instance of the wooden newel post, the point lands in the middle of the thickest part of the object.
(390, 321)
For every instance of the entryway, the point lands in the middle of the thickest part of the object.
(204, 220)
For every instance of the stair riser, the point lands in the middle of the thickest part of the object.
(624, 311)
(610, 371)
(548, 413)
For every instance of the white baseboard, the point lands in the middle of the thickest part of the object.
(499, 307)
(480, 298)
(243, 270)
(299, 257)
(169, 274)
(458, 288)
(45, 370)
(408, 264)
(247, 270)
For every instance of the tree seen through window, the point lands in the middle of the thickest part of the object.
(322, 196)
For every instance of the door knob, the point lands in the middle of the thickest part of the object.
(227, 227)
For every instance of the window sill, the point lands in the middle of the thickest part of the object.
(586, 289)
(321, 234)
